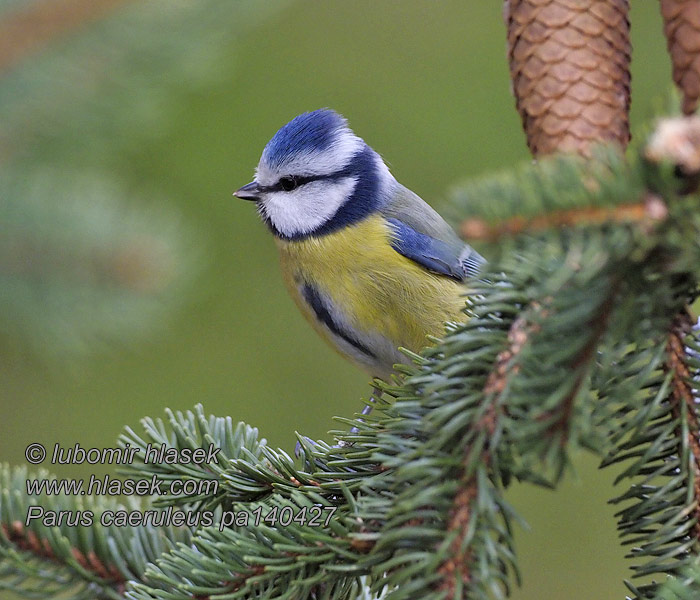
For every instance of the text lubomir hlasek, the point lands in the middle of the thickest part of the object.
(153, 454)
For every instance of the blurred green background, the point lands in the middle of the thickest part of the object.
(426, 84)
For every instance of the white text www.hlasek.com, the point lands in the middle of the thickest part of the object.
(108, 486)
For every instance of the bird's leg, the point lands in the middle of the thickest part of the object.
(376, 394)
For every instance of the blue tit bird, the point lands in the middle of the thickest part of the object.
(370, 264)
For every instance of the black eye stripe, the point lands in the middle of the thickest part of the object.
(301, 180)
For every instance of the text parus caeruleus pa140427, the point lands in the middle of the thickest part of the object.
(369, 263)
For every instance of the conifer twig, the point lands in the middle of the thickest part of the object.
(459, 561)
(29, 29)
(27, 540)
(518, 336)
(683, 399)
(646, 212)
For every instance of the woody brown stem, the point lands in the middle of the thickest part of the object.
(647, 213)
(459, 562)
(27, 540)
(520, 332)
(683, 398)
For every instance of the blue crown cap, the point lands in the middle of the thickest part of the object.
(311, 131)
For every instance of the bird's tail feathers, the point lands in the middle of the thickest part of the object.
(471, 261)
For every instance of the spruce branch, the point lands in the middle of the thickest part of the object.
(685, 586)
(52, 554)
(650, 209)
(287, 562)
(438, 505)
(190, 431)
(246, 468)
(560, 191)
(657, 429)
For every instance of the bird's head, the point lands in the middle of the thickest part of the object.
(316, 176)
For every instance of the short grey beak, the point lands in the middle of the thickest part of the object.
(250, 191)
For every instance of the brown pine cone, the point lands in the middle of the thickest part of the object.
(569, 63)
(682, 29)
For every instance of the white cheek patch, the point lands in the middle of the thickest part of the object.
(313, 162)
(308, 207)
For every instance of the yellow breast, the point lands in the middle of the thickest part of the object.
(380, 293)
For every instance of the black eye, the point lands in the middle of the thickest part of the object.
(289, 183)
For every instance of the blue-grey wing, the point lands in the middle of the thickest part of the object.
(423, 236)
(434, 255)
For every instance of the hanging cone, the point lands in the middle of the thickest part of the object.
(682, 29)
(569, 64)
